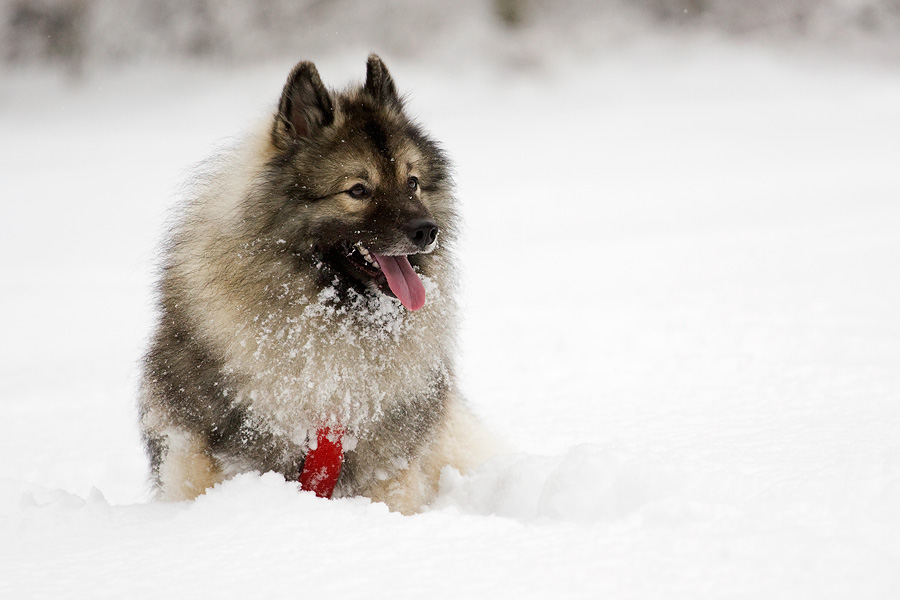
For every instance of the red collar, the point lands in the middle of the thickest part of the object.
(322, 465)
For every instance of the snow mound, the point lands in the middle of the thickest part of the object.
(588, 483)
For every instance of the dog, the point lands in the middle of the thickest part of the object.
(307, 304)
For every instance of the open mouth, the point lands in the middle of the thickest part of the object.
(393, 270)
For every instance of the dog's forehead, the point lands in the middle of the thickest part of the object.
(381, 147)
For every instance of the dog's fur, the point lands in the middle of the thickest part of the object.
(269, 328)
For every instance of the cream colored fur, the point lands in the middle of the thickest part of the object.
(283, 338)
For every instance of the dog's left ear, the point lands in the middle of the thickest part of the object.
(380, 84)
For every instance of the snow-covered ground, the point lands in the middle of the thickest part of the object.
(682, 313)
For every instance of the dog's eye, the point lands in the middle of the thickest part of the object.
(412, 183)
(358, 191)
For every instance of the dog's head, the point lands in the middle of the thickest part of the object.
(359, 186)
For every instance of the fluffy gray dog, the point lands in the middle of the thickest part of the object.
(307, 305)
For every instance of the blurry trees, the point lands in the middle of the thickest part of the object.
(46, 31)
(74, 32)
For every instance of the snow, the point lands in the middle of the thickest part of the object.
(681, 299)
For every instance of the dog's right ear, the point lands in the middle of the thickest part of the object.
(305, 106)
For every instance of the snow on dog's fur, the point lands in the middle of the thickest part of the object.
(292, 299)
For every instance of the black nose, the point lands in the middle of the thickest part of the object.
(422, 232)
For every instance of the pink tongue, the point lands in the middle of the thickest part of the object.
(402, 280)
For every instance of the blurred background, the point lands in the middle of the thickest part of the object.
(681, 269)
(76, 34)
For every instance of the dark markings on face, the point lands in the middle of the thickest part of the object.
(377, 137)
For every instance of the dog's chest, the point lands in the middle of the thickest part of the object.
(322, 362)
